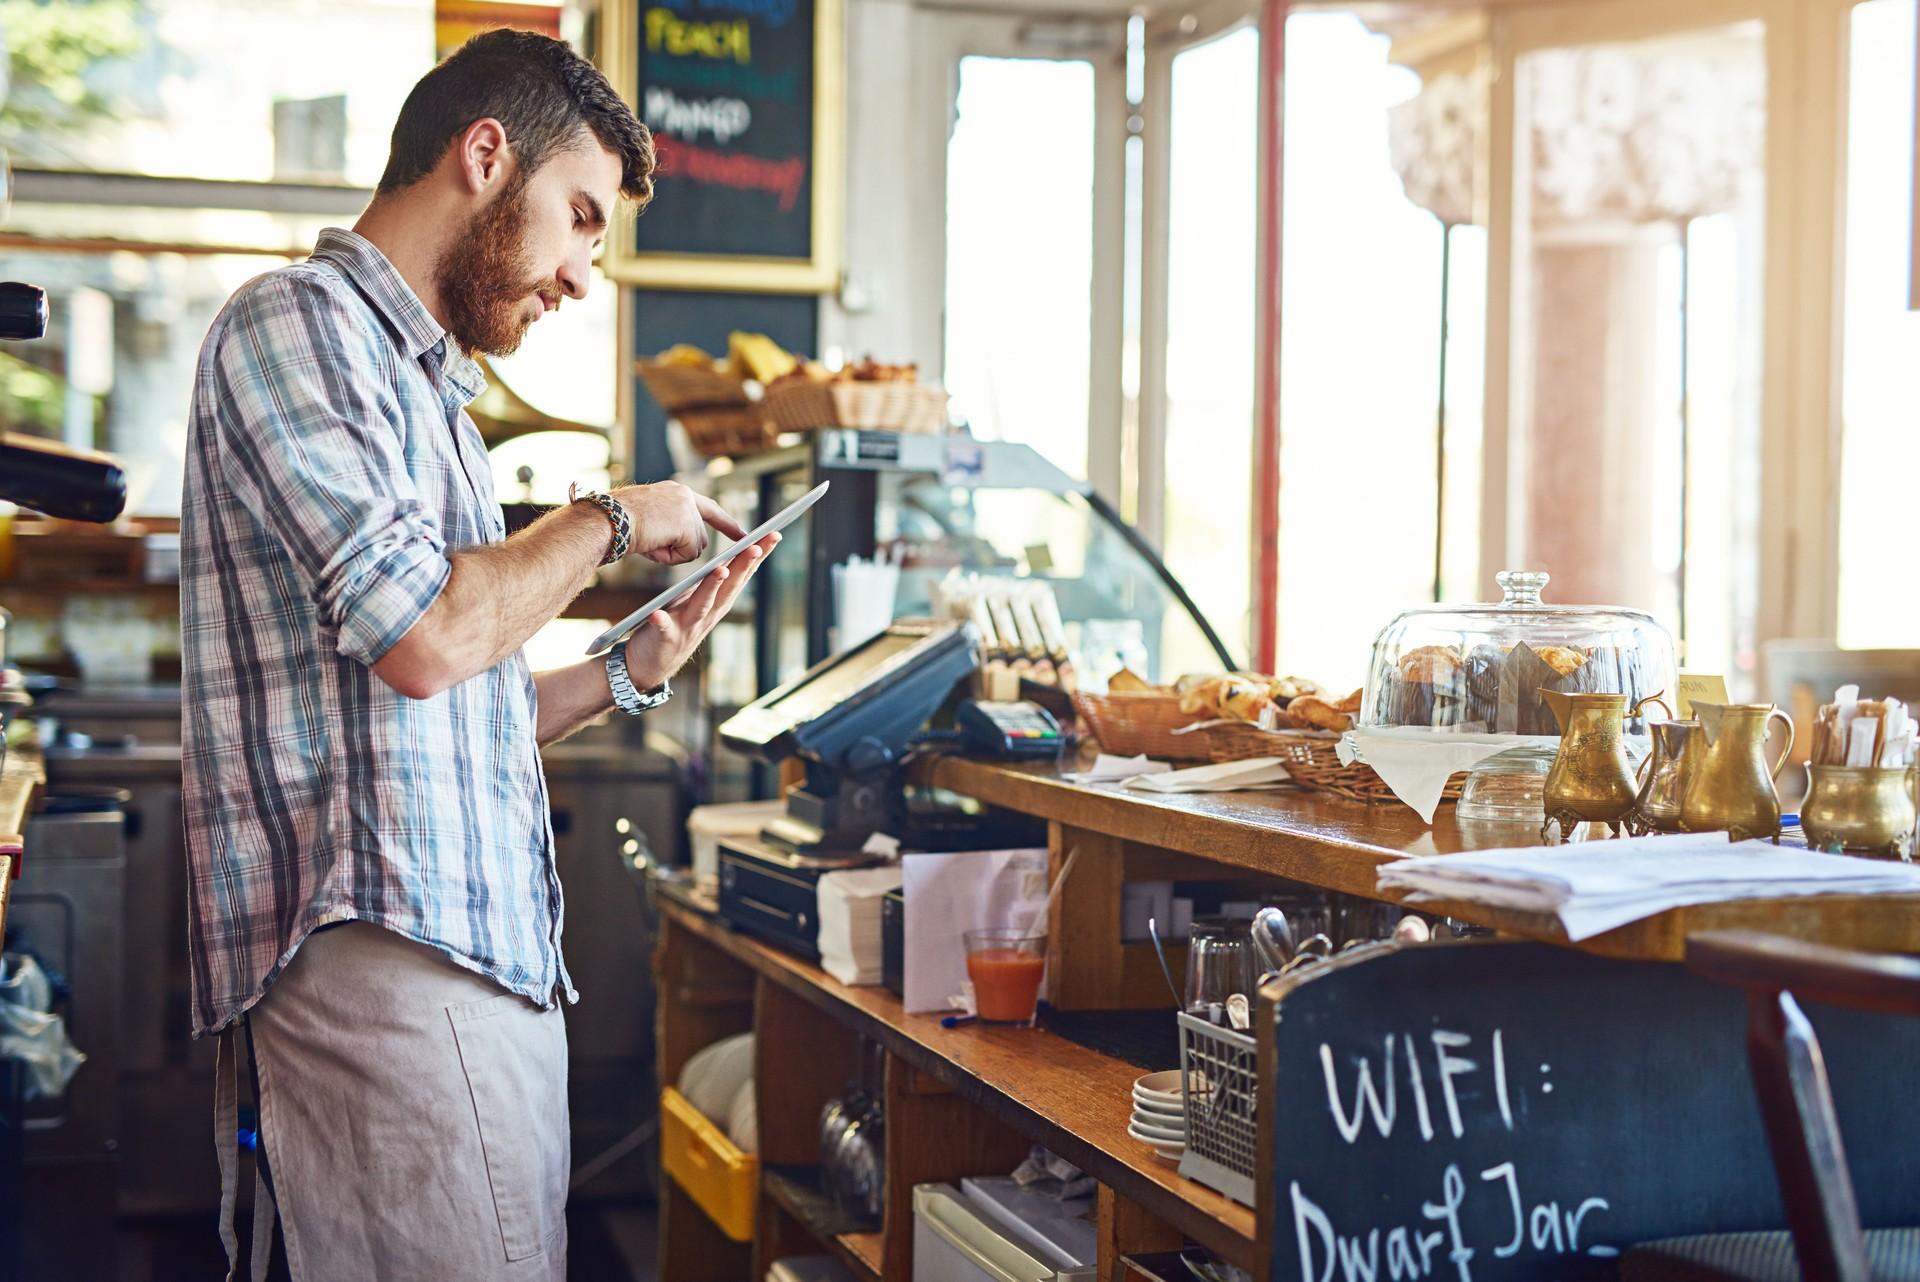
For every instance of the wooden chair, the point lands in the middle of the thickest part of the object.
(1827, 1243)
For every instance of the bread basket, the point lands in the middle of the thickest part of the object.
(1312, 758)
(800, 406)
(1129, 724)
(679, 387)
(728, 431)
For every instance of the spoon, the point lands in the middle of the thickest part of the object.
(1273, 937)
(1161, 952)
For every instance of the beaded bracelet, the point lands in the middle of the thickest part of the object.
(615, 512)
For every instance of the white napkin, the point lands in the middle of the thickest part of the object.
(1225, 776)
(850, 922)
(1108, 767)
(1416, 762)
(1596, 886)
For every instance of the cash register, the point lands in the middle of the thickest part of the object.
(853, 720)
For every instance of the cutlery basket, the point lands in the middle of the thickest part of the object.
(1220, 1070)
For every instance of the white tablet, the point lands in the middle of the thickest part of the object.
(778, 521)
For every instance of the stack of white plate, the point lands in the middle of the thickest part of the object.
(1160, 1115)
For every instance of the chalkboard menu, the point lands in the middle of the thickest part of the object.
(1500, 1111)
(745, 101)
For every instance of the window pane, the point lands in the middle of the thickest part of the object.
(1360, 353)
(1210, 320)
(1880, 451)
(1020, 253)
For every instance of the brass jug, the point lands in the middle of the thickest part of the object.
(1867, 809)
(1664, 776)
(1591, 778)
(1732, 788)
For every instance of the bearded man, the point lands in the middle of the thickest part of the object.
(374, 902)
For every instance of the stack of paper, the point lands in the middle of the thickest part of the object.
(1224, 776)
(850, 922)
(1596, 886)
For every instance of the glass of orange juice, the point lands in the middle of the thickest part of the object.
(1006, 966)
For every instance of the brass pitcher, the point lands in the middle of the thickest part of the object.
(1677, 748)
(1591, 778)
(1865, 809)
(1732, 788)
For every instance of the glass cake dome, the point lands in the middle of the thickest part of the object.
(1479, 669)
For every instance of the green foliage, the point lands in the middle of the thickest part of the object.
(31, 399)
(52, 45)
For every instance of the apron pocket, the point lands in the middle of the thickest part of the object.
(514, 1057)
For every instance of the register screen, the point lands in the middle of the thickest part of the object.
(833, 686)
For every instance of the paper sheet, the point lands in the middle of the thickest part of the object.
(1107, 767)
(948, 895)
(1224, 776)
(1595, 886)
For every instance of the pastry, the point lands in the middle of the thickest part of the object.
(1312, 710)
(1245, 701)
(1562, 659)
(1127, 681)
(1283, 689)
(1430, 664)
(1350, 704)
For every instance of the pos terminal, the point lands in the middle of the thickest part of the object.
(850, 719)
(853, 720)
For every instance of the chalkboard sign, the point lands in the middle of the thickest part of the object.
(1518, 1111)
(745, 99)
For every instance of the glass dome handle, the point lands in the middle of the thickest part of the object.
(1521, 587)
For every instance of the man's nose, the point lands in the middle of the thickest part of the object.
(574, 276)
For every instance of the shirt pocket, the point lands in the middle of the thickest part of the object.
(515, 1059)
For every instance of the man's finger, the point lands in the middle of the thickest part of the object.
(715, 515)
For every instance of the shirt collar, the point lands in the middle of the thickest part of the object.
(362, 263)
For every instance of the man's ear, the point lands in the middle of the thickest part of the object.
(482, 157)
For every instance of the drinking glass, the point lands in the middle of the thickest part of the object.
(1220, 963)
(1006, 966)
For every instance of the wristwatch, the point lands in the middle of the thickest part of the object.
(629, 700)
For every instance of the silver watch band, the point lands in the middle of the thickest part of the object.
(629, 700)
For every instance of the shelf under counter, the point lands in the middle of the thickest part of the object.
(1058, 1093)
(1336, 844)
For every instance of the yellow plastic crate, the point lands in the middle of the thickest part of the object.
(709, 1166)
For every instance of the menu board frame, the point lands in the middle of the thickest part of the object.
(819, 272)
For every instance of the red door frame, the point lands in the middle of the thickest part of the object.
(1266, 403)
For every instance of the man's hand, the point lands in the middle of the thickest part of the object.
(670, 522)
(666, 640)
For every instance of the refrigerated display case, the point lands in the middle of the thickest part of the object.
(933, 504)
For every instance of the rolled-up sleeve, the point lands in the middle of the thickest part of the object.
(319, 459)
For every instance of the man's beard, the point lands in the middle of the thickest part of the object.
(483, 279)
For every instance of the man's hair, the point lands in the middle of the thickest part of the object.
(540, 90)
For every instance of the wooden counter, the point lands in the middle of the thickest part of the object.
(1336, 844)
(20, 782)
(964, 1100)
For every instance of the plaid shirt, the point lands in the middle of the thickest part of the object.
(330, 465)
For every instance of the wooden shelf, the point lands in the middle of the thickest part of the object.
(1055, 1092)
(1339, 845)
(797, 1191)
(861, 1251)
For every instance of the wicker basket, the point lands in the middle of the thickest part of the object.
(898, 407)
(679, 387)
(728, 431)
(1312, 758)
(1130, 724)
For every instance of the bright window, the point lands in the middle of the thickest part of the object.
(1020, 253)
(1880, 452)
(1210, 321)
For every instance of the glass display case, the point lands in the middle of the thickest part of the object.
(931, 505)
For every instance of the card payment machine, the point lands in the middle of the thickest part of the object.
(1021, 730)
